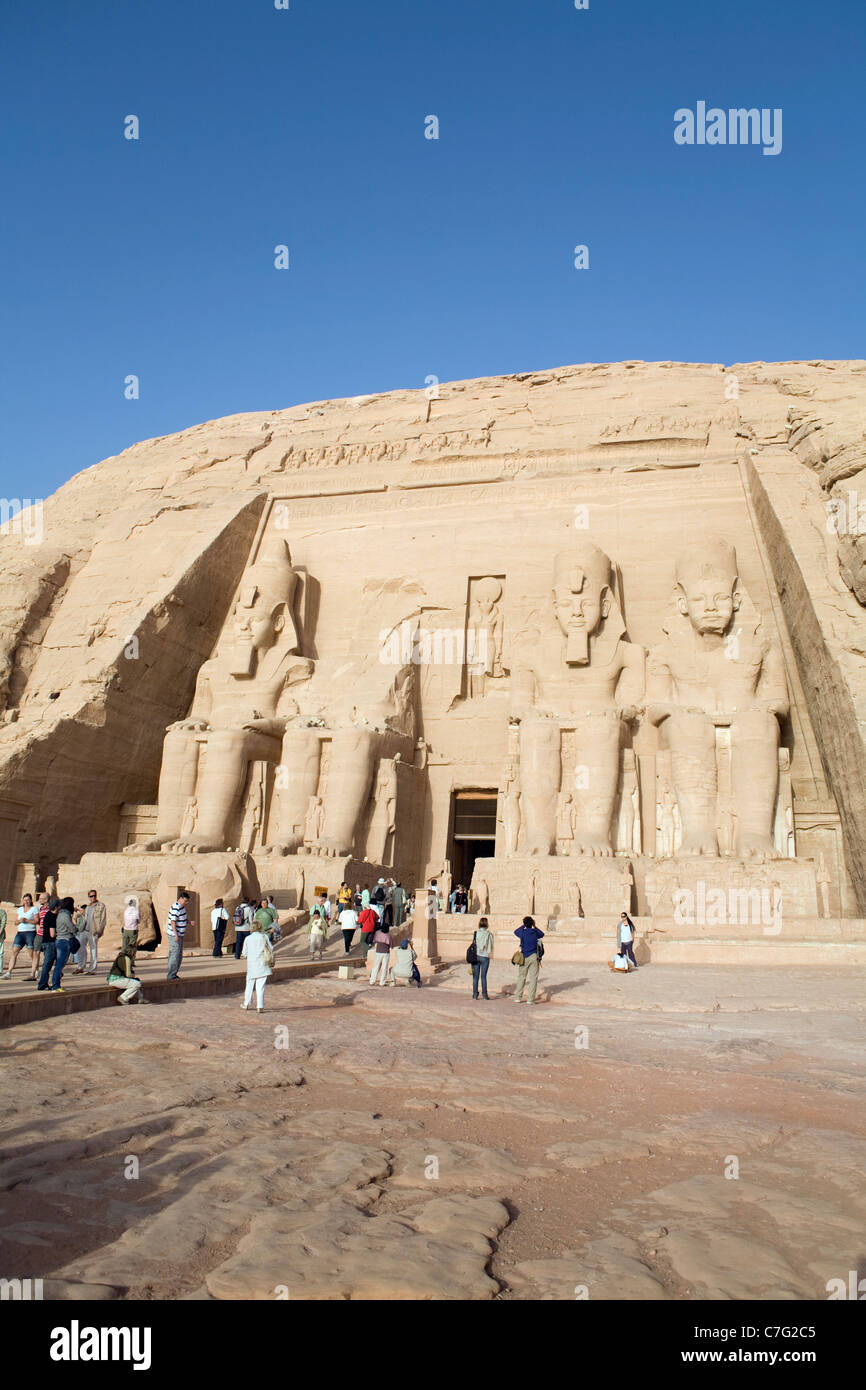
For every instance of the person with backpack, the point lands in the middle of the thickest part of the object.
(259, 955)
(528, 960)
(404, 967)
(241, 920)
(478, 957)
(219, 920)
(122, 976)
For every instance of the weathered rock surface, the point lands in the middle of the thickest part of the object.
(707, 1142)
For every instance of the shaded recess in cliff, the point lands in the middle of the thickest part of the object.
(95, 741)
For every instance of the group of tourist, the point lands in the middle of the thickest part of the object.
(52, 931)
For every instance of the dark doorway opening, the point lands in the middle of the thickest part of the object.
(473, 834)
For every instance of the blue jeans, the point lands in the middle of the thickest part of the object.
(239, 942)
(218, 934)
(175, 956)
(49, 955)
(479, 975)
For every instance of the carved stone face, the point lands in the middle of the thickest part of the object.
(259, 625)
(710, 601)
(580, 603)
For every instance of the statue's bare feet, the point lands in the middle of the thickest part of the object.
(190, 846)
(756, 847)
(694, 845)
(145, 846)
(596, 845)
(274, 851)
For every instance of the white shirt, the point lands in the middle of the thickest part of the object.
(131, 919)
(348, 919)
(218, 915)
(254, 951)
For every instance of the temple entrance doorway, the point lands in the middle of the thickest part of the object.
(473, 831)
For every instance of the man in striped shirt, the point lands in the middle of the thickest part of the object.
(177, 925)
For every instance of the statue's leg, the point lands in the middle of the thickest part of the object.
(540, 773)
(597, 742)
(177, 779)
(353, 756)
(221, 785)
(691, 738)
(296, 781)
(754, 781)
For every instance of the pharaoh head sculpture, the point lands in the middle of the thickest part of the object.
(582, 584)
(707, 586)
(264, 605)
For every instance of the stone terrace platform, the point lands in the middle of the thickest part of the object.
(201, 975)
(800, 941)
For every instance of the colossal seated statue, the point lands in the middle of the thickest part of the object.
(581, 675)
(236, 716)
(256, 700)
(717, 669)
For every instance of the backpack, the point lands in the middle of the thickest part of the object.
(238, 915)
(472, 953)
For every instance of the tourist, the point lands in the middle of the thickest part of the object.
(176, 929)
(131, 920)
(365, 896)
(273, 909)
(368, 922)
(356, 898)
(404, 963)
(219, 920)
(79, 921)
(39, 941)
(398, 898)
(25, 935)
(344, 897)
(49, 939)
(319, 915)
(377, 899)
(2, 935)
(95, 919)
(625, 937)
(122, 976)
(452, 900)
(483, 942)
(530, 938)
(348, 921)
(388, 911)
(382, 943)
(262, 919)
(64, 935)
(318, 930)
(461, 899)
(259, 956)
(242, 927)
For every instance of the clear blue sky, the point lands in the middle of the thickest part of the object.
(408, 256)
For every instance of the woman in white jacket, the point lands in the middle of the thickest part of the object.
(260, 964)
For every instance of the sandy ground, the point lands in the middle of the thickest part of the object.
(683, 1133)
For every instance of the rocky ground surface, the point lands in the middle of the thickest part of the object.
(682, 1133)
